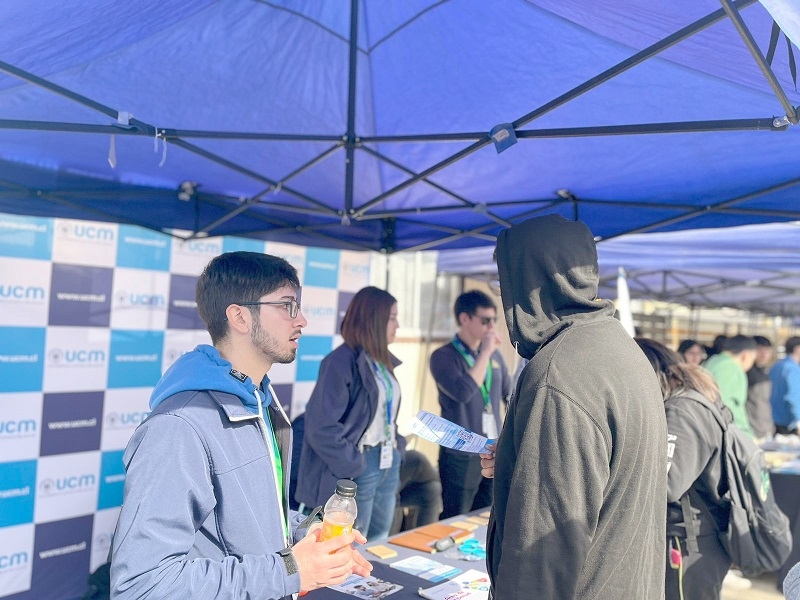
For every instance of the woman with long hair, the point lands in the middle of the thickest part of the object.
(350, 423)
(692, 351)
(694, 451)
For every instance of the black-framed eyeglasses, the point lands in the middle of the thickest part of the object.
(293, 306)
(487, 320)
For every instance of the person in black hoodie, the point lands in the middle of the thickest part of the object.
(695, 452)
(580, 466)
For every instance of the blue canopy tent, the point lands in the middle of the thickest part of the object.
(753, 267)
(366, 124)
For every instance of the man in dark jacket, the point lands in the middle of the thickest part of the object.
(472, 379)
(580, 471)
(759, 386)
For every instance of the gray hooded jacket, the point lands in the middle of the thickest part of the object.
(580, 478)
(202, 514)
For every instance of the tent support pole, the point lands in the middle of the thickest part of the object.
(350, 136)
(246, 204)
(712, 208)
(747, 37)
(464, 201)
(592, 83)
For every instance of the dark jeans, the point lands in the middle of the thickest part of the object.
(463, 487)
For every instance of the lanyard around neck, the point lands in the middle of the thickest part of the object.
(487, 380)
(382, 376)
(275, 454)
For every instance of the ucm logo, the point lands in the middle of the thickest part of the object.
(319, 311)
(356, 269)
(87, 232)
(67, 484)
(139, 299)
(126, 419)
(81, 357)
(9, 561)
(18, 427)
(22, 292)
(201, 247)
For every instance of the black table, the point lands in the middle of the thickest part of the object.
(410, 583)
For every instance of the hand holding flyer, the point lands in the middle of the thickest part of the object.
(446, 433)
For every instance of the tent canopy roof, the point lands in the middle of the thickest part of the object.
(754, 267)
(291, 132)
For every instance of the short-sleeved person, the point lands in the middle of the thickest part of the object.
(205, 513)
(729, 369)
(785, 395)
(472, 379)
(580, 470)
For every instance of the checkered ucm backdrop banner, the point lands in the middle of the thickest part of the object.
(91, 314)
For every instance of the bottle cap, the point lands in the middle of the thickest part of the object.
(346, 487)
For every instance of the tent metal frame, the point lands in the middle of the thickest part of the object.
(350, 143)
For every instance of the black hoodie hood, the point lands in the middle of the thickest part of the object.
(548, 280)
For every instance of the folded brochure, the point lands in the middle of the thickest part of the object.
(425, 568)
(470, 585)
(446, 433)
(367, 588)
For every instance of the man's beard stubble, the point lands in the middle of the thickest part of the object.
(269, 347)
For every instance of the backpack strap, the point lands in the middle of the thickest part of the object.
(689, 523)
(690, 520)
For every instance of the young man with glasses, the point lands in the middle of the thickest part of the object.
(205, 513)
(472, 378)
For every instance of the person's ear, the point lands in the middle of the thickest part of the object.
(239, 318)
(462, 318)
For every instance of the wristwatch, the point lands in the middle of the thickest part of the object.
(288, 560)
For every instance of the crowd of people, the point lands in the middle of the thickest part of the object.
(600, 443)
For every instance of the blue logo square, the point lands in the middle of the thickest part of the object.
(135, 358)
(17, 487)
(61, 558)
(26, 237)
(112, 480)
(238, 244)
(322, 268)
(71, 422)
(313, 348)
(141, 248)
(80, 295)
(21, 359)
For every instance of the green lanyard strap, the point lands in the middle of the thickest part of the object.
(383, 378)
(487, 380)
(278, 464)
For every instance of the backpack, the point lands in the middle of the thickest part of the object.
(758, 537)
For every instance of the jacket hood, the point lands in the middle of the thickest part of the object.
(204, 369)
(548, 280)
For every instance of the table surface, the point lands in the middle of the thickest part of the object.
(411, 584)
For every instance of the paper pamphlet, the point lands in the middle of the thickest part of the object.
(368, 588)
(425, 568)
(470, 585)
(446, 433)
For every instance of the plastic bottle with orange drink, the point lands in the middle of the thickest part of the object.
(340, 510)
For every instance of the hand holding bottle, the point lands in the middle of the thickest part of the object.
(329, 562)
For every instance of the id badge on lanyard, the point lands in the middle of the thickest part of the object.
(489, 424)
(387, 453)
